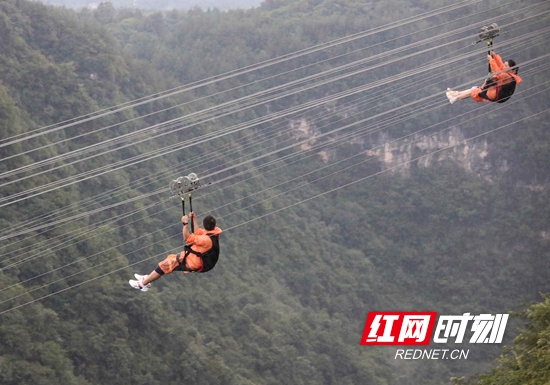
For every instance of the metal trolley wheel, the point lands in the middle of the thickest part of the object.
(489, 32)
(184, 184)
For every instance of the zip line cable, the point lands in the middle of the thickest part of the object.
(88, 200)
(119, 139)
(73, 239)
(274, 187)
(272, 197)
(334, 98)
(131, 135)
(244, 70)
(35, 164)
(40, 163)
(115, 219)
(427, 68)
(384, 171)
(314, 171)
(340, 139)
(278, 159)
(138, 197)
(121, 164)
(91, 212)
(392, 121)
(279, 210)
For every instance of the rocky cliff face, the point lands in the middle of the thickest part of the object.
(420, 150)
(424, 150)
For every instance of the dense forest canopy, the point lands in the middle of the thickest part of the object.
(342, 178)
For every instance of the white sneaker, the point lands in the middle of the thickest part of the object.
(451, 95)
(140, 277)
(139, 283)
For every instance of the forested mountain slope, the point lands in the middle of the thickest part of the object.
(316, 232)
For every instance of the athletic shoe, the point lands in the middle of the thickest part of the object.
(139, 283)
(140, 277)
(452, 95)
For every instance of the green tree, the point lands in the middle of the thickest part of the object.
(527, 362)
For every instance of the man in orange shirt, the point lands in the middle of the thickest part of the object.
(499, 88)
(200, 253)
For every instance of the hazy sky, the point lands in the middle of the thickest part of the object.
(159, 4)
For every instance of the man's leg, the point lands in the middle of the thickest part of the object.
(151, 277)
(464, 94)
(167, 266)
(164, 267)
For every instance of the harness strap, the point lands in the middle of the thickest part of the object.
(491, 83)
(183, 262)
(189, 250)
(483, 94)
